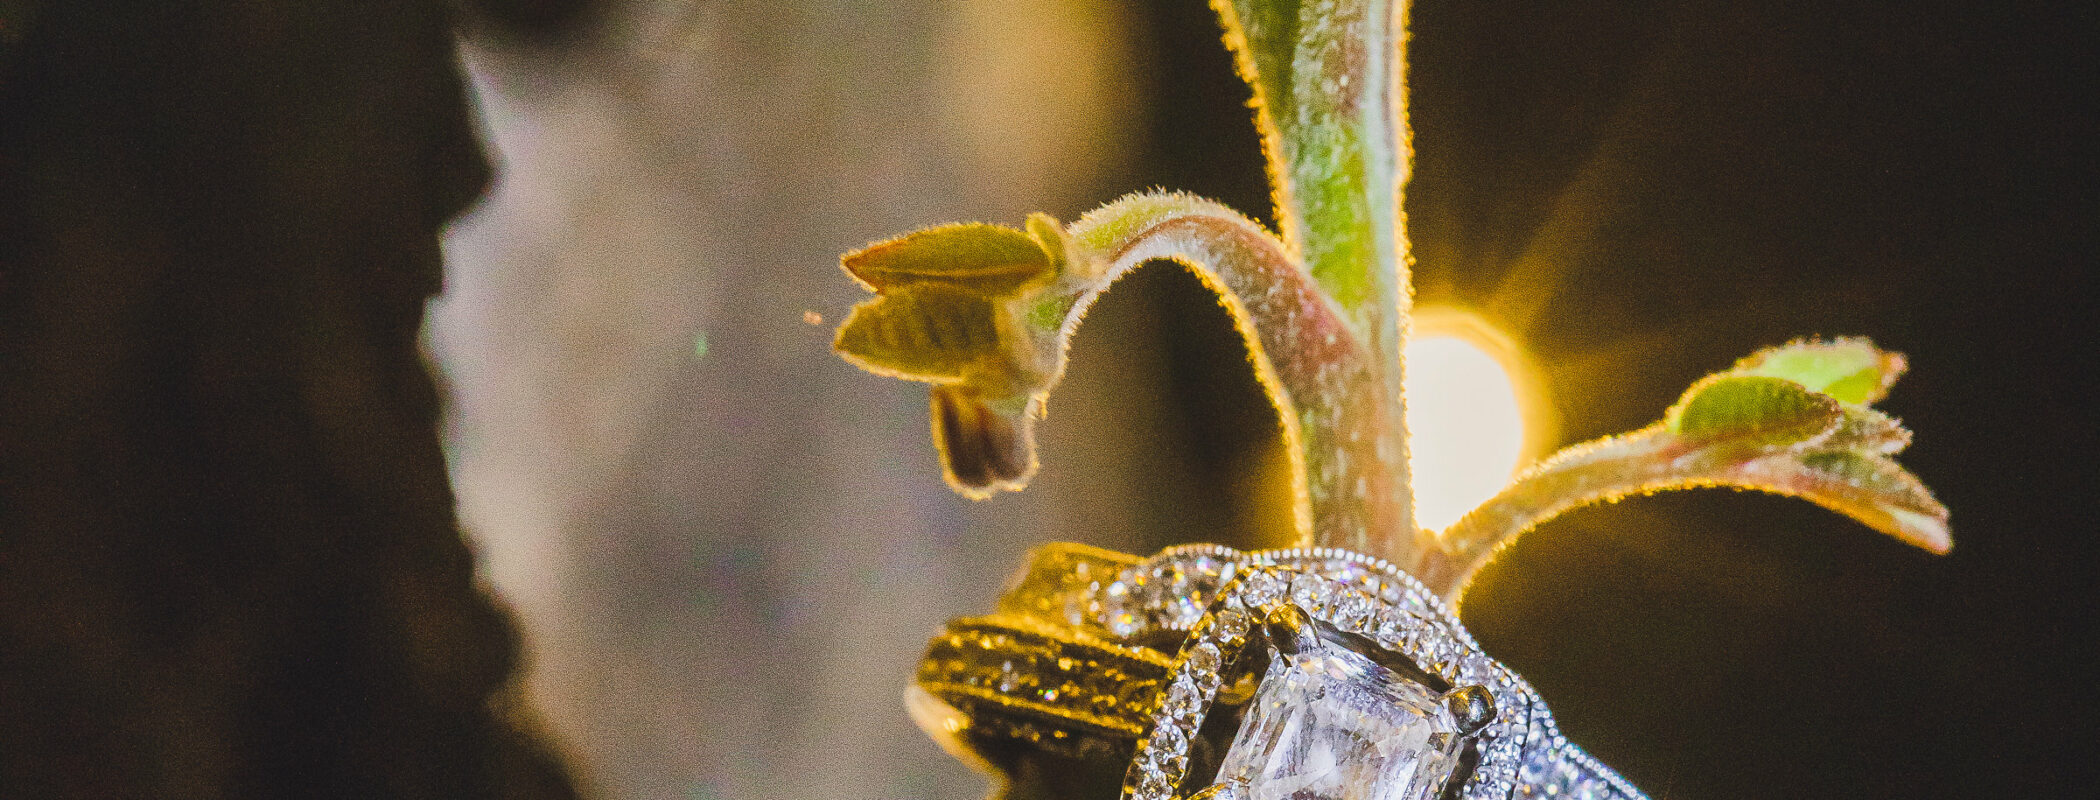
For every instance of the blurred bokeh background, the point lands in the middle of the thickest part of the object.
(726, 546)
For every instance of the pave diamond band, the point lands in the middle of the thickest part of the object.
(1070, 694)
(1348, 680)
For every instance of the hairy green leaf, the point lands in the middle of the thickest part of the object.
(929, 332)
(979, 258)
(1877, 491)
(1783, 421)
(1050, 236)
(1851, 370)
(1752, 409)
(1868, 431)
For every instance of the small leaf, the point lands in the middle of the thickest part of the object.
(1760, 410)
(929, 332)
(1050, 236)
(984, 259)
(1868, 431)
(1757, 426)
(1881, 476)
(1851, 370)
(985, 446)
(1879, 492)
(993, 339)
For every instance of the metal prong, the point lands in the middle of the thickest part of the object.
(1290, 630)
(1473, 706)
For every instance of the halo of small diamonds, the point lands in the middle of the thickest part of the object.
(1352, 594)
(1097, 609)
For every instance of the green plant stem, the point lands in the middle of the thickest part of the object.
(1330, 101)
(1349, 483)
(1652, 460)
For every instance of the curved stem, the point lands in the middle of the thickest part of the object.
(1348, 474)
(1652, 460)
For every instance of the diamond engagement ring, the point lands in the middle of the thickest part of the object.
(1272, 675)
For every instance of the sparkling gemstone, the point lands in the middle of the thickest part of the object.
(1314, 594)
(1154, 786)
(1536, 768)
(1474, 669)
(1504, 753)
(1328, 723)
(1179, 590)
(1502, 759)
(1167, 744)
(1204, 658)
(1393, 630)
(1265, 587)
(1118, 610)
(1565, 777)
(1184, 703)
(1440, 655)
(1360, 578)
(1355, 612)
(1538, 732)
(1414, 602)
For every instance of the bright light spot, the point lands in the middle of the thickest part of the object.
(1465, 416)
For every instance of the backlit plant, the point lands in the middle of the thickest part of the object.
(985, 313)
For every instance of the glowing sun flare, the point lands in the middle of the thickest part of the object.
(1465, 414)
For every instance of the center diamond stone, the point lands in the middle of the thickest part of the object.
(1327, 723)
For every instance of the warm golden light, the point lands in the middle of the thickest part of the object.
(1468, 397)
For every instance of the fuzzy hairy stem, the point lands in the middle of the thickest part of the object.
(987, 313)
(1653, 460)
(1348, 474)
(1329, 95)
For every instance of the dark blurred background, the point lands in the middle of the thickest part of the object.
(723, 547)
